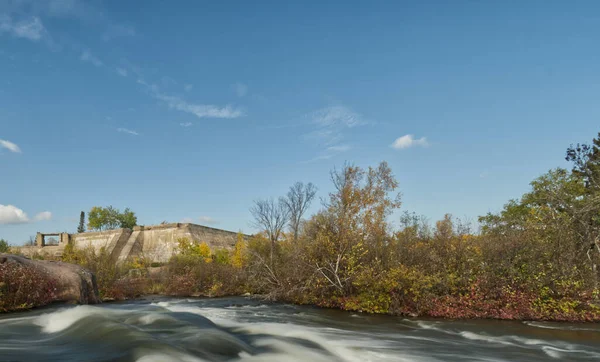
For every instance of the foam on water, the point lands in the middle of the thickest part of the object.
(193, 330)
(63, 319)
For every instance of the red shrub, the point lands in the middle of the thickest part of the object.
(23, 287)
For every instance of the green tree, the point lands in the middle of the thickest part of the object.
(110, 218)
(4, 247)
(586, 163)
(81, 227)
(127, 219)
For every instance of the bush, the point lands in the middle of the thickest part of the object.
(4, 247)
(113, 280)
(23, 287)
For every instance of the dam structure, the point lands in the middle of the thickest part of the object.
(155, 243)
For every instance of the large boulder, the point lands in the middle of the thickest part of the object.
(72, 282)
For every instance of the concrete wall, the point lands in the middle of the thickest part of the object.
(159, 243)
(156, 243)
(96, 240)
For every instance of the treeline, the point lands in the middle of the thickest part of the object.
(536, 259)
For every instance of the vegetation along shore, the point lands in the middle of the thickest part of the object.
(537, 259)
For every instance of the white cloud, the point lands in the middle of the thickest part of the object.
(207, 220)
(86, 56)
(10, 146)
(240, 89)
(128, 131)
(187, 220)
(10, 214)
(43, 216)
(199, 110)
(122, 72)
(409, 140)
(188, 87)
(186, 124)
(31, 28)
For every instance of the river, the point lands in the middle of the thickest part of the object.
(242, 329)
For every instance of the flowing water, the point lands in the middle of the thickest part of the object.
(240, 329)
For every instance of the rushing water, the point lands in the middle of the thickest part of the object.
(239, 329)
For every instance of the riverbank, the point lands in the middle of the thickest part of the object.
(191, 278)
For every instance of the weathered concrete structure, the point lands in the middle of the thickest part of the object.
(156, 243)
(40, 239)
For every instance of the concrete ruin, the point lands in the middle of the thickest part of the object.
(155, 243)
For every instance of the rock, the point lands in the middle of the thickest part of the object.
(73, 282)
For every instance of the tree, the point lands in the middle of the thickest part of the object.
(109, 218)
(586, 162)
(127, 219)
(586, 170)
(81, 227)
(299, 198)
(271, 216)
(353, 231)
(4, 247)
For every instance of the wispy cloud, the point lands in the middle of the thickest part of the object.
(188, 87)
(331, 122)
(329, 153)
(30, 28)
(87, 56)
(118, 31)
(128, 131)
(241, 89)
(207, 220)
(337, 116)
(409, 140)
(186, 124)
(122, 72)
(43, 216)
(199, 110)
(10, 146)
(329, 127)
(340, 148)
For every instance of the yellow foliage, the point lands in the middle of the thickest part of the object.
(239, 257)
(190, 248)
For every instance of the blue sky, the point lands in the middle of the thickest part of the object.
(191, 110)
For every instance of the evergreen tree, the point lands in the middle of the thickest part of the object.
(81, 227)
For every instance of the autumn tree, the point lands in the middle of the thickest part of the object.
(298, 200)
(353, 231)
(271, 216)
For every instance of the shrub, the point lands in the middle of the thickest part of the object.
(4, 247)
(23, 287)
